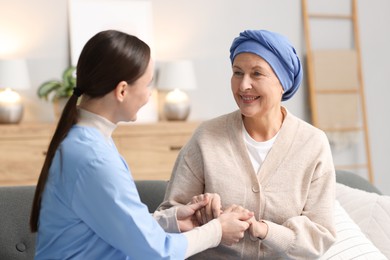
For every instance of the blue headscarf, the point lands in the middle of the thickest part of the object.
(277, 51)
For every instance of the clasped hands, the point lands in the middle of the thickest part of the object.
(235, 220)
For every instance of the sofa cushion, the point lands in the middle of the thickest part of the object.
(16, 240)
(351, 243)
(370, 211)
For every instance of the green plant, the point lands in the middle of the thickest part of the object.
(57, 89)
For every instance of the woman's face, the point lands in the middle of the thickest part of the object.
(255, 86)
(139, 93)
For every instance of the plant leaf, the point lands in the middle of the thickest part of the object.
(47, 87)
(68, 78)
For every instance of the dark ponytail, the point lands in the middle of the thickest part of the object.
(107, 58)
(67, 120)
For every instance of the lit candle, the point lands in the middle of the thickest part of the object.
(9, 97)
(11, 108)
(177, 105)
(176, 96)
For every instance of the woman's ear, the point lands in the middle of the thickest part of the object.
(121, 90)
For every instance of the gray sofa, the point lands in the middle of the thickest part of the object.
(16, 241)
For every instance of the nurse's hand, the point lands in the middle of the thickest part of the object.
(234, 221)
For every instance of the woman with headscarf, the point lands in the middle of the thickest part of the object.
(263, 158)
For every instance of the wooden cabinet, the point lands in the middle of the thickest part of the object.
(22, 152)
(149, 149)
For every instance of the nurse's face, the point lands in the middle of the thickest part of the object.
(139, 93)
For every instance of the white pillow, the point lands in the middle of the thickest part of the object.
(370, 211)
(350, 243)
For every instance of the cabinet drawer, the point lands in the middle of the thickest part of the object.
(21, 160)
(151, 157)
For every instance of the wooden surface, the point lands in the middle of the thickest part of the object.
(149, 149)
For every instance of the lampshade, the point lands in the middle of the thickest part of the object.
(178, 74)
(14, 74)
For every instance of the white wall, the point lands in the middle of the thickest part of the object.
(375, 42)
(37, 31)
(203, 30)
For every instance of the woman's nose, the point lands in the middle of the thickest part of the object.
(246, 83)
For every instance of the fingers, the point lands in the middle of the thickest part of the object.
(208, 206)
(213, 209)
(203, 215)
(246, 215)
(200, 198)
(200, 203)
(258, 229)
(233, 229)
(210, 210)
(195, 200)
(198, 216)
(251, 220)
(241, 212)
(200, 212)
(216, 206)
(203, 211)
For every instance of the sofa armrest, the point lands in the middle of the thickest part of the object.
(151, 192)
(355, 181)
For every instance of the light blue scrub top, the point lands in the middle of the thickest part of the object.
(91, 208)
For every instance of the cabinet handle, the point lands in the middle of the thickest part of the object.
(175, 147)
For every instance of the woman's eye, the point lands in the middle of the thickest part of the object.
(237, 73)
(257, 74)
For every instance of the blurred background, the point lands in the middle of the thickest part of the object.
(202, 31)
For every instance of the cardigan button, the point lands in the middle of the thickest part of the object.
(255, 189)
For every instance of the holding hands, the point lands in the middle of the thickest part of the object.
(257, 229)
(235, 220)
(206, 207)
(187, 216)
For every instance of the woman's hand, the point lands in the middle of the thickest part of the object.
(258, 229)
(211, 210)
(186, 214)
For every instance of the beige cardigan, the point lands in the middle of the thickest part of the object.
(293, 191)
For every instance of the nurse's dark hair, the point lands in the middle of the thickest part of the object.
(107, 58)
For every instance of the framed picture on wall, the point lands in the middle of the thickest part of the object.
(88, 17)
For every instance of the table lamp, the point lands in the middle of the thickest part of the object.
(13, 75)
(175, 77)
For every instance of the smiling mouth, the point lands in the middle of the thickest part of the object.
(249, 98)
